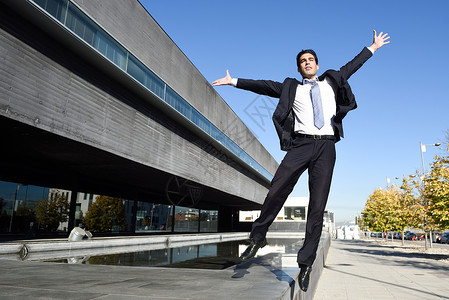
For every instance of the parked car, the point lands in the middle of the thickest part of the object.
(437, 236)
(378, 235)
(444, 239)
(409, 235)
(397, 235)
(419, 237)
(414, 236)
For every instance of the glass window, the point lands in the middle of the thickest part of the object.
(200, 121)
(186, 219)
(136, 70)
(111, 49)
(209, 221)
(91, 200)
(295, 213)
(56, 8)
(80, 24)
(106, 214)
(152, 217)
(89, 34)
(154, 84)
(18, 204)
(178, 103)
(219, 136)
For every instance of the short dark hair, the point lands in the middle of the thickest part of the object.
(304, 52)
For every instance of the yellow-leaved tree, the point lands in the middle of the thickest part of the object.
(52, 211)
(381, 210)
(436, 191)
(105, 214)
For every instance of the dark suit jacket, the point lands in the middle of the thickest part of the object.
(283, 117)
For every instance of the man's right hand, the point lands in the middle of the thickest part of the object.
(223, 81)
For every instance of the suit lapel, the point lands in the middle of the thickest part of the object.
(292, 92)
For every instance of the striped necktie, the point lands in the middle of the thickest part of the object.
(315, 95)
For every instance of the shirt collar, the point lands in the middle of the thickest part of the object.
(314, 78)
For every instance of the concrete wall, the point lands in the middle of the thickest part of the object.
(46, 85)
(133, 26)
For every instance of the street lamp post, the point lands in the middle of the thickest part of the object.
(388, 180)
(423, 149)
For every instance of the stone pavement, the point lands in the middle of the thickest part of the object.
(359, 270)
(271, 275)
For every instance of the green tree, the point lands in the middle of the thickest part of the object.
(51, 212)
(23, 217)
(436, 191)
(105, 214)
(380, 212)
(411, 209)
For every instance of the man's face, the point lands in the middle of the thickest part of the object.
(307, 66)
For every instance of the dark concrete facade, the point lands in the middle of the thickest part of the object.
(72, 120)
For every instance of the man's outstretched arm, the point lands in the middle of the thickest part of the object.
(379, 40)
(261, 87)
(351, 67)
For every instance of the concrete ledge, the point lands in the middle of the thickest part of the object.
(294, 292)
(286, 235)
(111, 245)
(10, 248)
(268, 276)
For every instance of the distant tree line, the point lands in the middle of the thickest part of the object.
(421, 202)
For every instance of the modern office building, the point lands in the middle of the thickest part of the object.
(96, 99)
(291, 218)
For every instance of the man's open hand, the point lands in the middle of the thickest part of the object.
(223, 81)
(379, 40)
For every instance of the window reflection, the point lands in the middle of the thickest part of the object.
(186, 219)
(153, 217)
(295, 213)
(36, 212)
(18, 207)
(56, 8)
(209, 221)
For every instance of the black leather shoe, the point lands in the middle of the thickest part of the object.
(251, 251)
(304, 277)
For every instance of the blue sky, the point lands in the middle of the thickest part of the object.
(401, 91)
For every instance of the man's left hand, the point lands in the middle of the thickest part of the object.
(379, 40)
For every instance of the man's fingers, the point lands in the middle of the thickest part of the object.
(223, 81)
(216, 82)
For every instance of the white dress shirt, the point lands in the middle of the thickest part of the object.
(303, 109)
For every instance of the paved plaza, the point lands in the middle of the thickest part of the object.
(362, 270)
(354, 270)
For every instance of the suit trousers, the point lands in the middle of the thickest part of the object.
(318, 156)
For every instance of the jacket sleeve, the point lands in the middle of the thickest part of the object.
(351, 67)
(261, 87)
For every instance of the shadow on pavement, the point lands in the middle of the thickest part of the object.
(391, 251)
(408, 288)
